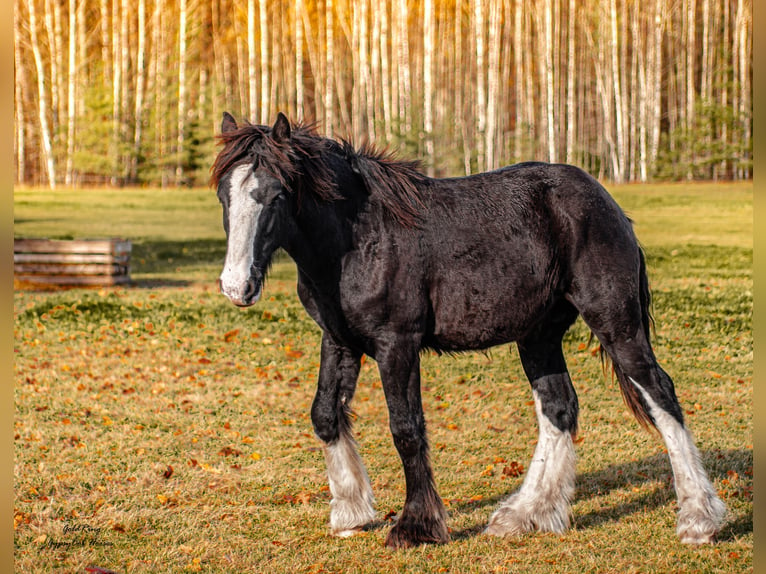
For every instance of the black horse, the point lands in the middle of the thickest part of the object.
(391, 262)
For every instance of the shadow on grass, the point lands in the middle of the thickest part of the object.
(654, 469)
(181, 263)
(171, 257)
(158, 283)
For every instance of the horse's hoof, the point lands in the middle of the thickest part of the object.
(507, 523)
(409, 535)
(516, 519)
(697, 538)
(347, 533)
(699, 524)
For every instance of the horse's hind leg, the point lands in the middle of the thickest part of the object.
(542, 502)
(621, 326)
(352, 505)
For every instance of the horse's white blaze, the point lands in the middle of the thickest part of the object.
(352, 504)
(243, 225)
(542, 502)
(700, 511)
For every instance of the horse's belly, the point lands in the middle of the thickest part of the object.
(480, 316)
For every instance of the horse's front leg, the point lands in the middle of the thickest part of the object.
(423, 518)
(352, 505)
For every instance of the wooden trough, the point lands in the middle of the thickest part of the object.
(72, 262)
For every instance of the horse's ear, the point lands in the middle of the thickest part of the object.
(228, 124)
(281, 130)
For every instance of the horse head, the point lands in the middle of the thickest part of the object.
(253, 174)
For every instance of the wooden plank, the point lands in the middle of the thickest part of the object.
(70, 258)
(116, 246)
(72, 262)
(56, 269)
(81, 280)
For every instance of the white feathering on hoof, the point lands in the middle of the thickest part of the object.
(701, 513)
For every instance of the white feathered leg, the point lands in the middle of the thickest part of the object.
(700, 512)
(542, 502)
(352, 505)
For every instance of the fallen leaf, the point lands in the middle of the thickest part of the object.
(229, 451)
(514, 469)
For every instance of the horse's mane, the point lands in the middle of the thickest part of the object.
(396, 183)
(304, 156)
(304, 165)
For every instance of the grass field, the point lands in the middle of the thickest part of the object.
(161, 429)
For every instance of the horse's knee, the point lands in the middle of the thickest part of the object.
(325, 422)
(558, 401)
(409, 437)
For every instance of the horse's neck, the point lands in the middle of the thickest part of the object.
(320, 238)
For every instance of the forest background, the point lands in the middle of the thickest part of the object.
(132, 91)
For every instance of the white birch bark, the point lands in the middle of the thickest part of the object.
(299, 86)
(265, 76)
(252, 76)
(493, 84)
(571, 60)
(181, 126)
(481, 95)
(403, 66)
(518, 88)
(140, 88)
(329, 87)
(71, 94)
(20, 89)
(381, 11)
(618, 166)
(550, 124)
(428, 64)
(42, 98)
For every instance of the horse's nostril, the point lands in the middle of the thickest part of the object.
(249, 290)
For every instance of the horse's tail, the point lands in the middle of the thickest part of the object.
(630, 393)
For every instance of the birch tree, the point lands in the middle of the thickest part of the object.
(252, 56)
(428, 64)
(181, 126)
(42, 96)
(140, 80)
(20, 90)
(628, 90)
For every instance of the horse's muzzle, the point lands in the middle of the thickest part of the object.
(242, 295)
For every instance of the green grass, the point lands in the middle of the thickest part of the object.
(161, 429)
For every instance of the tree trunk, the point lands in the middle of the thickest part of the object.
(265, 76)
(329, 87)
(252, 76)
(381, 11)
(299, 93)
(180, 137)
(45, 133)
(655, 66)
(140, 73)
(691, 35)
(550, 125)
(105, 40)
(403, 66)
(493, 84)
(428, 64)
(71, 94)
(619, 165)
(518, 88)
(481, 95)
(20, 92)
(744, 116)
(571, 60)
